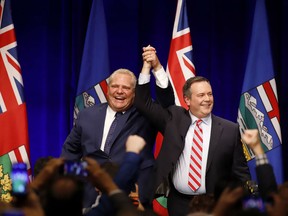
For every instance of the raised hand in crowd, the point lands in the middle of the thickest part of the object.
(99, 177)
(251, 138)
(277, 207)
(48, 172)
(135, 144)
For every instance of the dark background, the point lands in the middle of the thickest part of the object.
(51, 35)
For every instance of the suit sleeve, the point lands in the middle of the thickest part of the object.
(154, 112)
(266, 180)
(165, 96)
(127, 175)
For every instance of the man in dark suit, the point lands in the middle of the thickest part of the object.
(91, 129)
(222, 157)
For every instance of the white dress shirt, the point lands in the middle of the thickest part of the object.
(181, 171)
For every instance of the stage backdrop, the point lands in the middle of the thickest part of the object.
(51, 35)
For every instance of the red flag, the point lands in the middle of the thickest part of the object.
(179, 68)
(14, 146)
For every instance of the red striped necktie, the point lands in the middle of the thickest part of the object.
(195, 167)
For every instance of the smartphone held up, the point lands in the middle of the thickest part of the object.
(20, 179)
(75, 168)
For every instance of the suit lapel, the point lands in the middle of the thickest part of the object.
(184, 126)
(216, 131)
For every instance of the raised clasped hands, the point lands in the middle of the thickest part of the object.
(150, 59)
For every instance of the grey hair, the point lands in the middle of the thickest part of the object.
(124, 71)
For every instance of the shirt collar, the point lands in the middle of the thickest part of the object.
(111, 112)
(206, 120)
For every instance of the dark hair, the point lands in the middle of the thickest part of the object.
(40, 163)
(64, 197)
(202, 203)
(186, 88)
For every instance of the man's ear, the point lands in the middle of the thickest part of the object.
(187, 100)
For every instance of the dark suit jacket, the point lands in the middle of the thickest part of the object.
(85, 140)
(226, 160)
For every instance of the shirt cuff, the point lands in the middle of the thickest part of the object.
(143, 78)
(261, 159)
(116, 191)
(161, 78)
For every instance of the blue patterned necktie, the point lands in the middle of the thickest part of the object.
(108, 143)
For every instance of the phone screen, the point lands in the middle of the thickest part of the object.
(254, 203)
(20, 179)
(75, 168)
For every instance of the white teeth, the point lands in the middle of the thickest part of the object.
(119, 98)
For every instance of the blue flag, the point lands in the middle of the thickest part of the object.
(95, 68)
(258, 107)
